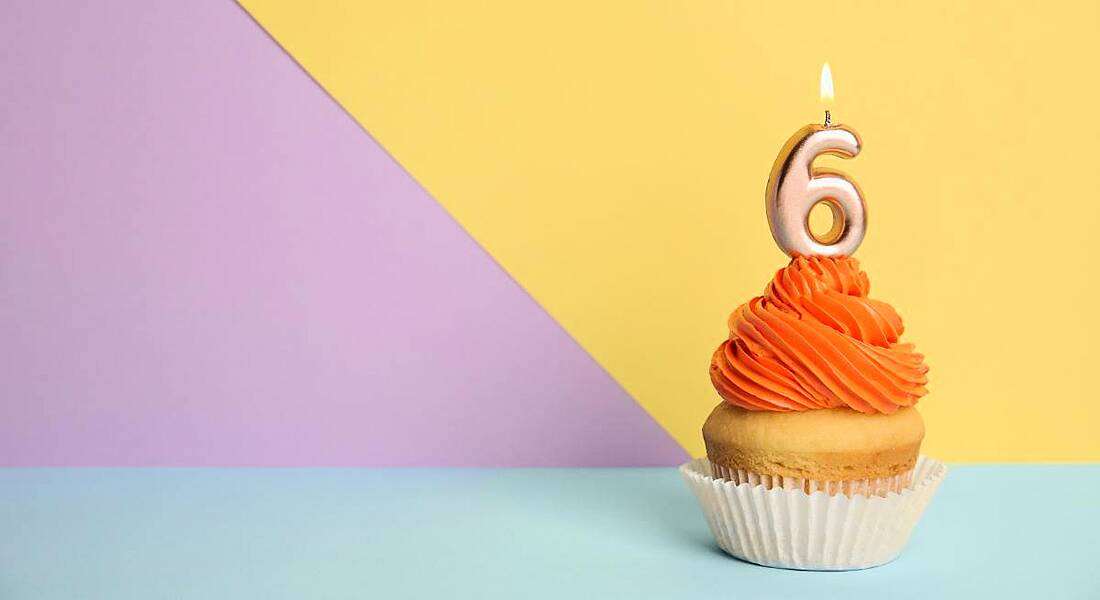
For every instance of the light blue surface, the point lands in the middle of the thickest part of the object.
(991, 532)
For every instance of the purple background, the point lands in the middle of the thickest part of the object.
(205, 261)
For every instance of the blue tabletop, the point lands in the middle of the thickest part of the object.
(991, 532)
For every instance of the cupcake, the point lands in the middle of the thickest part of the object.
(813, 454)
(817, 387)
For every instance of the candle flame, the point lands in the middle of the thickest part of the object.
(827, 96)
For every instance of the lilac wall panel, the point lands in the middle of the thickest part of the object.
(204, 261)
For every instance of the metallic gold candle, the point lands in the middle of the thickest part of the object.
(796, 186)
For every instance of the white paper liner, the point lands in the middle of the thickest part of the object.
(791, 529)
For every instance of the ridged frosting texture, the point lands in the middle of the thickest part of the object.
(815, 340)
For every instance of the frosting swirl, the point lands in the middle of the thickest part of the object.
(815, 340)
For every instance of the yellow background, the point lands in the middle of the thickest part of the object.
(612, 157)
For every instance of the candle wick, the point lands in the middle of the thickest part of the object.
(828, 118)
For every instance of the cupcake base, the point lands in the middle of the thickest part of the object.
(784, 527)
(880, 486)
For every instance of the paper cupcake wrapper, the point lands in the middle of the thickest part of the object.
(788, 528)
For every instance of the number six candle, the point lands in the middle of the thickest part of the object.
(796, 186)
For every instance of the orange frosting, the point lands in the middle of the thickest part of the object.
(815, 340)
